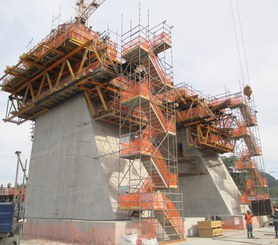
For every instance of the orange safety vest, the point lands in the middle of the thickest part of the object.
(248, 218)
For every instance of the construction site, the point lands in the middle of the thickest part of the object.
(122, 150)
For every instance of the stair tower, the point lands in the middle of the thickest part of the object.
(148, 140)
(247, 148)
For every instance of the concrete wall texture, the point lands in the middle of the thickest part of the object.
(69, 177)
(206, 184)
(75, 167)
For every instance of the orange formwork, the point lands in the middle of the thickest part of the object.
(57, 69)
(210, 138)
(192, 114)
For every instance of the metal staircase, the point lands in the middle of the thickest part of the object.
(248, 147)
(153, 190)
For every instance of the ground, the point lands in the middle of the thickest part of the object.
(42, 242)
(263, 236)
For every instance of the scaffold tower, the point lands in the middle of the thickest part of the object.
(148, 133)
(248, 151)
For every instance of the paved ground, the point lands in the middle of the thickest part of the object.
(263, 236)
(41, 242)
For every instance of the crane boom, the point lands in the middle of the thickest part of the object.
(84, 11)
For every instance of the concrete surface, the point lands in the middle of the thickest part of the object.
(10, 240)
(205, 183)
(67, 178)
(191, 225)
(73, 169)
(263, 236)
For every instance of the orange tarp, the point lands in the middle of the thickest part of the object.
(139, 41)
(240, 165)
(241, 131)
(191, 114)
(136, 146)
(161, 38)
(145, 147)
(153, 201)
(143, 201)
(246, 199)
(136, 90)
(5, 191)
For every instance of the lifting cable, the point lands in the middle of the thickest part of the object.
(240, 41)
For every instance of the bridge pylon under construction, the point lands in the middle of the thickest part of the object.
(118, 147)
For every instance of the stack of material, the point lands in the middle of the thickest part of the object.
(210, 228)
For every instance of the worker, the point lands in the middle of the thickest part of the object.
(23, 198)
(248, 218)
(275, 221)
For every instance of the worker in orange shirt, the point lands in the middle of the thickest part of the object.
(248, 218)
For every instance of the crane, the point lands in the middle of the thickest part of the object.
(84, 11)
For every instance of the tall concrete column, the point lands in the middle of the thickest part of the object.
(74, 168)
(206, 184)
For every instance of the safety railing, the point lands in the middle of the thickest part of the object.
(192, 114)
(244, 165)
(160, 39)
(241, 131)
(136, 42)
(166, 79)
(154, 201)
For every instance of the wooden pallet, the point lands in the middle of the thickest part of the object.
(211, 232)
(210, 228)
(205, 225)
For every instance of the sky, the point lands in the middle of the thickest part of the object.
(204, 53)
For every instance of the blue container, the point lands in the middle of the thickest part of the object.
(6, 217)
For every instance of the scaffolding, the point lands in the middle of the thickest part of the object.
(149, 142)
(131, 85)
(206, 125)
(127, 85)
(226, 124)
(70, 60)
(248, 151)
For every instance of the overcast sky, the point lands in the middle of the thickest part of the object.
(204, 50)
